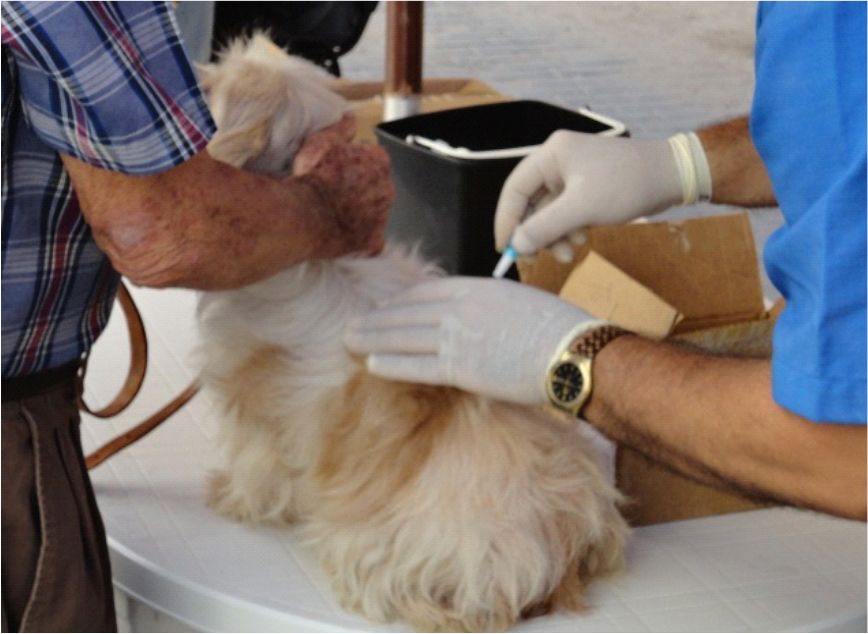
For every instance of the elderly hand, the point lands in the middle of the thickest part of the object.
(317, 144)
(354, 186)
(586, 180)
(494, 337)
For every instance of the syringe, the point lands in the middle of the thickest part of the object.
(505, 262)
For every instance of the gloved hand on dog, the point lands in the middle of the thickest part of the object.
(492, 337)
(353, 180)
(590, 180)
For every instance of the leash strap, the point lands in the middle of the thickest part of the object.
(141, 430)
(138, 361)
(133, 383)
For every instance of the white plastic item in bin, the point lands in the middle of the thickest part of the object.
(616, 128)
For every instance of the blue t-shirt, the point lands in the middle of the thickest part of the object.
(808, 124)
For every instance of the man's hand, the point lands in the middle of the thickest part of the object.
(586, 180)
(315, 146)
(494, 337)
(354, 183)
(355, 188)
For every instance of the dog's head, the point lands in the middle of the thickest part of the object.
(265, 103)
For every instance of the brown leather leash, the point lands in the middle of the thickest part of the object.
(133, 383)
(138, 361)
(141, 430)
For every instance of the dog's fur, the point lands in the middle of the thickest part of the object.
(440, 508)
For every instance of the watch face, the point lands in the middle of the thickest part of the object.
(567, 382)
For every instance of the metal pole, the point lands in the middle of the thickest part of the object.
(403, 59)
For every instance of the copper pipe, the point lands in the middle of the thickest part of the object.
(404, 47)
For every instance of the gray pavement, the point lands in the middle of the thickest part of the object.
(660, 67)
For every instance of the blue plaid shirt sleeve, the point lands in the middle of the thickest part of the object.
(108, 82)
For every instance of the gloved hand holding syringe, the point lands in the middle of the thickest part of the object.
(575, 180)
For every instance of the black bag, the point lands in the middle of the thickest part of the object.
(318, 31)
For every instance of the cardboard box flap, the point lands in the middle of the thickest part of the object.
(545, 272)
(705, 267)
(366, 99)
(606, 292)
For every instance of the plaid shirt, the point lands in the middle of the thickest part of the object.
(110, 84)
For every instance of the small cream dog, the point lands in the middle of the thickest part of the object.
(443, 509)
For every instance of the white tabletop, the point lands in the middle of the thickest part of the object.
(767, 570)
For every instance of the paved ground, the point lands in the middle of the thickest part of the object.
(661, 67)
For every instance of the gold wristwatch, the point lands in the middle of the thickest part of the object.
(568, 381)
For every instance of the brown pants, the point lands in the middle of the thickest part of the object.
(55, 566)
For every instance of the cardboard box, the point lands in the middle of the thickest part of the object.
(604, 290)
(695, 281)
(366, 98)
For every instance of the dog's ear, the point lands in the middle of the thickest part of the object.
(240, 145)
(207, 75)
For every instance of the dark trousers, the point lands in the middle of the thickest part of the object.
(55, 567)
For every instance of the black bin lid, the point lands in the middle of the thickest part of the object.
(493, 131)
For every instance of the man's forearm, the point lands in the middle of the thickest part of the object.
(713, 419)
(738, 175)
(202, 224)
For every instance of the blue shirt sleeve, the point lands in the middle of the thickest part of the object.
(107, 82)
(808, 124)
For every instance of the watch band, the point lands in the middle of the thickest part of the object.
(589, 343)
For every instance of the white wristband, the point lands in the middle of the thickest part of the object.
(692, 166)
(700, 162)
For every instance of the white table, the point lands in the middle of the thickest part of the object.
(177, 564)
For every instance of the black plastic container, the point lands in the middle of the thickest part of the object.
(446, 196)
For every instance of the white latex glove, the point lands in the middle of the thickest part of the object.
(493, 337)
(578, 180)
